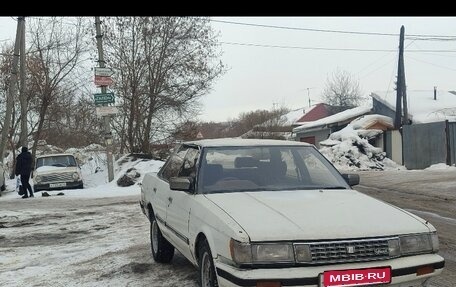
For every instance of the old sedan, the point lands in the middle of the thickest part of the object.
(277, 213)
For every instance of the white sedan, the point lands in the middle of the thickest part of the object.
(271, 213)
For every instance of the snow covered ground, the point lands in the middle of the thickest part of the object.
(96, 236)
(95, 176)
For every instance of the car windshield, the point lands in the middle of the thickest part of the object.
(232, 169)
(60, 160)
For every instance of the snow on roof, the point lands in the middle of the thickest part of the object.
(291, 117)
(243, 142)
(366, 121)
(422, 107)
(294, 115)
(339, 117)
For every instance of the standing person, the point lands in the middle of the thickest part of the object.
(24, 168)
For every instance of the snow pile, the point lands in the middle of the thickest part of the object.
(350, 149)
(93, 163)
(440, 166)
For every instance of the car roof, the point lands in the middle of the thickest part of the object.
(54, 154)
(244, 142)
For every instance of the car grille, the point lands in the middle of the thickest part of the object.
(349, 251)
(60, 177)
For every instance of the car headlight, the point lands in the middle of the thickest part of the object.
(246, 253)
(272, 253)
(37, 178)
(414, 244)
(75, 176)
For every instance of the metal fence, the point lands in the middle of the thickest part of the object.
(428, 144)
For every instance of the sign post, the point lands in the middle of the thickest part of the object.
(103, 98)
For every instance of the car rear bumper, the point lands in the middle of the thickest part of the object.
(404, 272)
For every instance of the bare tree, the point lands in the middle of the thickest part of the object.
(56, 49)
(163, 66)
(342, 90)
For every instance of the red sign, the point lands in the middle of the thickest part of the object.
(357, 277)
(103, 81)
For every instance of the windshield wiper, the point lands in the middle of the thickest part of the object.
(333, 187)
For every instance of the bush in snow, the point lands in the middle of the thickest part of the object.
(129, 178)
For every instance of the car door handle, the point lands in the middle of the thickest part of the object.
(154, 189)
(170, 199)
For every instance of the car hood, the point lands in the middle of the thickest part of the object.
(315, 214)
(55, 169)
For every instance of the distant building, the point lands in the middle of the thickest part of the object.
(319, 130)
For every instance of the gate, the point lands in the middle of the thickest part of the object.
(427, 144)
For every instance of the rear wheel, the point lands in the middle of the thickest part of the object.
(207, 276)
(162, 250)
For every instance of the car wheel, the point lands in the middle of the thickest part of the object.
(207, 276)
(162, 250)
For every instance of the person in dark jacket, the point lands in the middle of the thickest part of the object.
(24, 168)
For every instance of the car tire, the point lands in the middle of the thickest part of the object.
(162, 250)
(207, 276)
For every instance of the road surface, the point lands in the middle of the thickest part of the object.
(65, 241)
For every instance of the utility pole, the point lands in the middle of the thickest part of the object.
(106, 118)
(12, 88)
(22, 95)
(308, 95)
(400, 85)
(404, 86)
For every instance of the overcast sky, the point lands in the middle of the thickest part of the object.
(260, 77)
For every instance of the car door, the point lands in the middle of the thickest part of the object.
(180, 202)
(161, 190)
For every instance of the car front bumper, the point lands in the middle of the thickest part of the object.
(47, 186)
(403, 272)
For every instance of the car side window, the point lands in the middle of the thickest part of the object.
(188, 167)
(174, 164)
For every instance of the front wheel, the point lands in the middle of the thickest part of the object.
(207, 276)
(162, 250)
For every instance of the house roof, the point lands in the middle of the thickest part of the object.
(366, 121)
(339, 117)
(422, 107)
(314, 113)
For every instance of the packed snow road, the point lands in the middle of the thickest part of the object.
(430, 194)
(62, 241)
(70, 241)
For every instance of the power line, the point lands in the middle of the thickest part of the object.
(410, 36)
(305, 29)
(432, 64)
(306, 48)
(331, 49)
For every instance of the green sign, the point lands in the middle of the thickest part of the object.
(107, 98)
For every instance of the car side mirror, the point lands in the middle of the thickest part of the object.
(351, 179)
(180, 183)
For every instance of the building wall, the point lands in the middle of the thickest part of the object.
(320, 135)
(396, 147)
(382, 109)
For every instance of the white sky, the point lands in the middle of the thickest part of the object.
(259, 77)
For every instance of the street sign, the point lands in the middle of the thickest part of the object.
(103, 81)
(104, 72)
(106, 110)
(107, 98)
